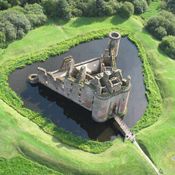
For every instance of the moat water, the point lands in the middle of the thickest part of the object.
(67, 114)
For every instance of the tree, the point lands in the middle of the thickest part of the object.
(63, 10)
(50, 7)
(4, 4)
(168, 46)
(126, 10)
(171, 5)
(160, 32)
(140, 6)
(161, 25)
(10, 31)
(100, 7)
(18, 19)
(35, 14)
(2, 39)
(90, 8)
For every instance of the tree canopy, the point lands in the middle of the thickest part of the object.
(168, 46)
(161, 25)
(17, 21)
(126, 10)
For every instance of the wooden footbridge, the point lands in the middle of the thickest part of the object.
(124, 129)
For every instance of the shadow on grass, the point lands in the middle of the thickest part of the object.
(161, 52)
(56, 22)
(145, 150)
(117, 20)
(82, 21)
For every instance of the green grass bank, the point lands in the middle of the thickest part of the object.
(20, 135)
(152, 92)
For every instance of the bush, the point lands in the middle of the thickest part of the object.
(126, 10)
(161, 25)
(168, 46)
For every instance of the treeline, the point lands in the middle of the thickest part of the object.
(72, 8)
(164, 23)
(5, 4)
(17, 21)
(17, 17)
(162, 27)
(168, 5)
(168, 46)
(91, 8)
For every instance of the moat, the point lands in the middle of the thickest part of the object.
(71, 116)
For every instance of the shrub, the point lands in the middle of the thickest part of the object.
(168, 46)
(126, 10)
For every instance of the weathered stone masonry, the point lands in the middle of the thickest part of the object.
(96, 84)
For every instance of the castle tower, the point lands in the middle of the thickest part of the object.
(112, 50)
(114, 44)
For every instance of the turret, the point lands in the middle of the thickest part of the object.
(112, 50)
(113, 46)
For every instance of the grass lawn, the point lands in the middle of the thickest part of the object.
(152, 10)
(18, 135)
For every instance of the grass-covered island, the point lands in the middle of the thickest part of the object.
(30, 32)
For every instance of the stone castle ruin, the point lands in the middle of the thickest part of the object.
(96, 84)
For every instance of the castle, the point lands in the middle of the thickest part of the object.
(96, 84)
